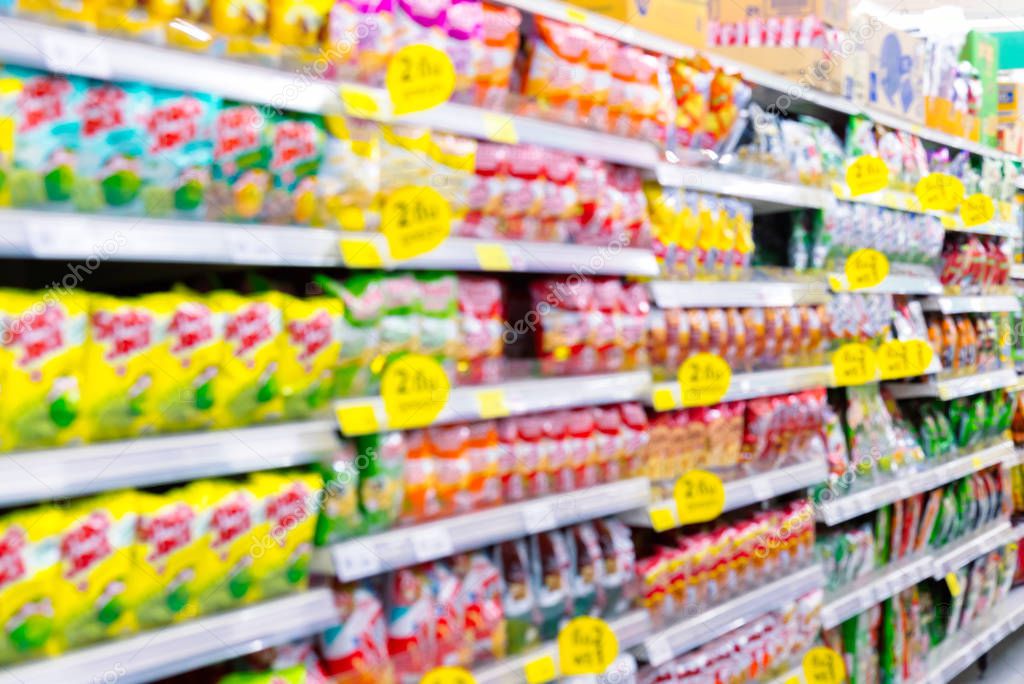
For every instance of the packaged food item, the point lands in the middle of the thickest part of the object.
(341, 516)
(519, 596)
(356, 651)
(296, 26)
(350, 173)
(481, 598)
(555, 52)
(42, 358)
(296, 150)
(381, 460)
(243, 29)
(497, 56)
(234, 511)
(359, 39)
(312, 333)
(241, 164)
(410, 613)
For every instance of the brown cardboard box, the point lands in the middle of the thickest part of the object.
(809, 67)
(887, 71)
(835, 13)
(684, 21)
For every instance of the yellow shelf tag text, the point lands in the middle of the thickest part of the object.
(939, 191)
(357, 420)
(977, 210)
(586, 646)
(700, 497)
(419, 77)
(415, 220)
(866, 268)
(360, 253)
(822, 665)
(854, 364)
(703, 379)
(662, 519)
(540, 670)
(867, 174)
(903, 359)
(415, 389)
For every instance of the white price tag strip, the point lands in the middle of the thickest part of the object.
(83, 55)
(658, 650)
(539, 517)
(762, 489)
(245, 247)
(432, 542)
(355, 560)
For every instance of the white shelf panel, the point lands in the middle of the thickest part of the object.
(161, 653)
(673, 294)
(378, 553)
(746, 491)
(519, 397)
(630, 629)
(901, 284)
(952, 388)
(965, 549)
(873, 589)
(757, 384)
(1017, 271)
(853, 505)
(54, 235)
(766, 194)
(950, 659)
(691, 632)
(972, 304)
(73, 471)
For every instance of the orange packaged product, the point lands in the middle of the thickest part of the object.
(718, 332)
(512, 471)
(633, 436)
(792, 335)
(679, 339)
(935, 335)
(623, 76)
(753, 324)
(532, 455)
(738, 349)
(700, 332)
(607, 428)
(658, 338)
(649, 115)
(698, 439)
(582, 448)
(597, 82)
(450, 445)
(421, 497)
(968, 344)
(735, 426)
(656, 453)
(774, 330)
(555, 445)
(714, 419)
(483, 455)
(691, 87)
(556, 56)
(497, 58)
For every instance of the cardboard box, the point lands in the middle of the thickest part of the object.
(835, 13)
(888, 73)
(684, 21)
(982, 51)
(808, 67)
(1010, 105)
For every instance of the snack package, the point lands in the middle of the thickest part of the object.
(381, 460)
(241, 164)
(287, 504)
(119, 402)
(350, 173)
(30, 601)
(481, 600)
(359, 39)
(112, 148)
(249, 378)
(497, 57)
(188, 351)
(312, 333)
(233, 510)
(340, 517)
(356, 651)
(551, 572)
(243, 29)
(296, 26)
(179, 153)
(410, 614)
(97, 547)
(296, 150)
(555, 54)
(519, 595)
(42, 359)
(40, 161)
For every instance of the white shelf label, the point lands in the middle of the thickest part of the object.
(539, 517)
(658, 650)
(355, 560)
(763, 490)
(432, 542)
(84, 55)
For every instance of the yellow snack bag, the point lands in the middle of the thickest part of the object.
(313, 329)
(249, 368)
(233, 510)
(42, 350)
(289, 504)
(297, 25)
(187, 358)
(243, 25)
(119, 366)
(97, 547)
(172, 555)
(29, 574)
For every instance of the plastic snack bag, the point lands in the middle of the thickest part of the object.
(233, 511)
(356, 651)
(312, 333)
(241, 164)
(359, 39)
(296, 149)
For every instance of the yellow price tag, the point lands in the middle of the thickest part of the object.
(700, 497)
(358, 102)
(586, 646)
(415, 220)
(867, 174)
(793, 680)
(575, 16)
(491, 403)
(662, 519)
(977, 209)
(360, 253)
(500, 128)
(939, 191)
(357, 420)
(448, 675)
(854, 364)
(897, 359)
(823, 665)
(1012, 546)
(954, 584)
(866, 268)
(704, 379)
(663, 399)
(492, 257)
(977, 463)
(415, 389)
(540, 670)
(419, 77)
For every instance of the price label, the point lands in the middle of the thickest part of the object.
(415, 220)
(586, 646)
(939, 191)
(662, 519)
(822, 665)
(415, 388)
(500, 128)
(448, 675)
(491, 403)
(540, 670)
(704, 379)
(357, 420)
(866, 268)
(359, 102)
(419, 77)
(429, 543)
(903, 359)
(977, 210)
(867, 174)
(953, 581)
(663, 399)
(700, 497)
(360, 253)
(854, 364)
(492, 257)
(355, 560)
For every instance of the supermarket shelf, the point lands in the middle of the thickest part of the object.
(952, 388)
(690, 632)
(669, 294)
(751, 385)
(900, 284)
(964, 550)
(55, 235)
(630, 629)
(377, 553)
(766, 194)
(157, 654)
(949, 660)
(874, 588)
(748, 490)
(74, 471)
(972, 304)
(511, 398)
(1003, 229)
(853, 505)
